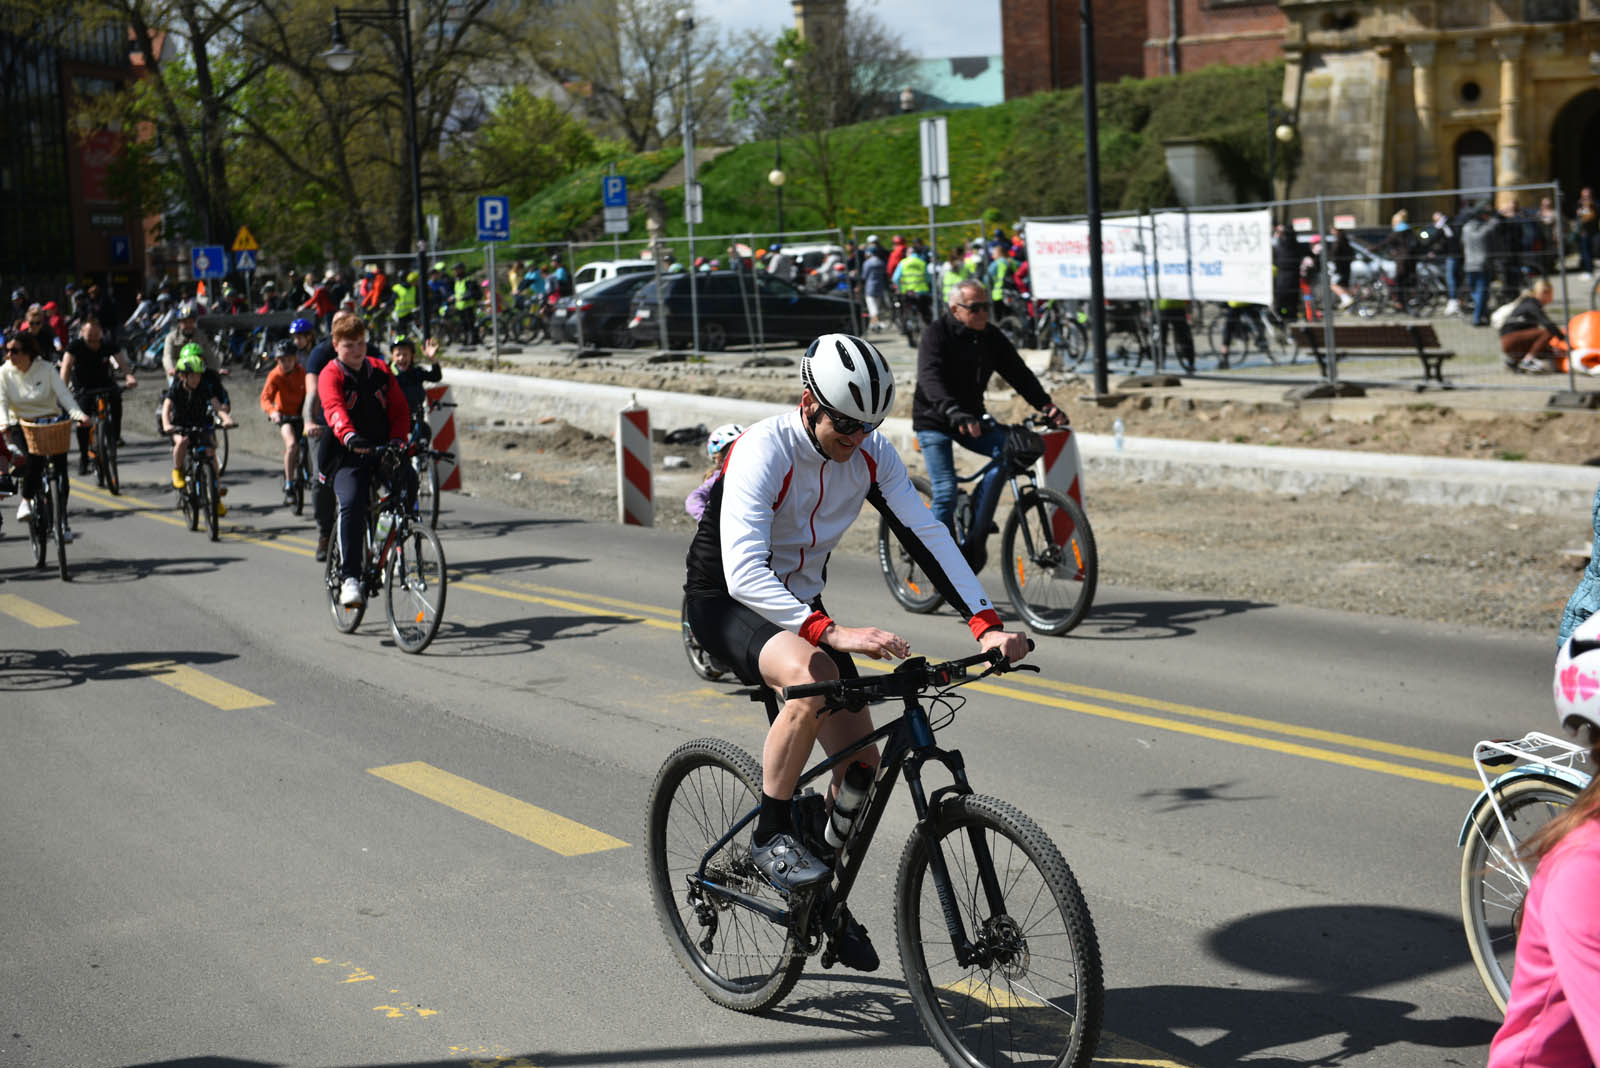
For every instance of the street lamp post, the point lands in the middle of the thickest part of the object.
(776, 175)
(341, 58)
(1280, 130)
(777, 178)
(691, 190)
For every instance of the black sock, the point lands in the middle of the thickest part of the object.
(774, 819)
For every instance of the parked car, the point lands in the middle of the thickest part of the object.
(599, 315)
(734, 311)
(601, 270)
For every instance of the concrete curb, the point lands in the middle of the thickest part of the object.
(1553, 489)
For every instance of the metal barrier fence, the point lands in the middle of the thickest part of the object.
(1414, 275)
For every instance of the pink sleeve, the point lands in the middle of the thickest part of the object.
(1572, 925)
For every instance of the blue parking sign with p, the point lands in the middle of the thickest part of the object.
(614, 191)
(494, 218)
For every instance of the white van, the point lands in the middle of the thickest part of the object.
(600, 270)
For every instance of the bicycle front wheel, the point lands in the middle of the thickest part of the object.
(1051, 566)
(414, 587)
(38, 527)
(302, 477)
(738, 958)
(1033, 994)
(345, 619)
(58, 507)
(222, 449)
(908, 583)
(1493, 883)
(206, 498)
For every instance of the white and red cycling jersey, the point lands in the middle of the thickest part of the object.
(781, 507)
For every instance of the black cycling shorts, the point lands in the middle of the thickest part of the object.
(735, 634)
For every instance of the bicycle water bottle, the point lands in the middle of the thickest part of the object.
(1116, 432)
(385, 524)
(857, 780)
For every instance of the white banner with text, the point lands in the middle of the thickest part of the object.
(1228, 254)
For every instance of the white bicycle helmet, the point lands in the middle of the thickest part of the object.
(721, 438)
(1577, 682)
(849, 376)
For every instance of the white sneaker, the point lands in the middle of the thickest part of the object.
(350, 593)
(67, 536)
(1452, 307)
(24, 509)
(1346, 301)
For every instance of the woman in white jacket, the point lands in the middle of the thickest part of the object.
(31, 389)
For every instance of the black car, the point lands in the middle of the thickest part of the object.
(736, 307)
(602, 311)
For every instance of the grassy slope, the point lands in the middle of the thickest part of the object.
(1021, 157)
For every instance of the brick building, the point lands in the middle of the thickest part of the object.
(1043, 48)
(1185, 35)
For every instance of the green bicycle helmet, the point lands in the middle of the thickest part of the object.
(191, 359)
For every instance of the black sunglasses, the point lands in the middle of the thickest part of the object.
(845, 424)
(976, 306)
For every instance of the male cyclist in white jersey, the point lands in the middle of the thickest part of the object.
(790, 488)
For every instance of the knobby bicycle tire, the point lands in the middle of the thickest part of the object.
(414, 587)
(703, 788)
(908, 583)
(1039, 997)
(345, 620)
(1051, 566)
(58, 508)
(1492, 884)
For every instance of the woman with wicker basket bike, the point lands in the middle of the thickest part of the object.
(32, 391)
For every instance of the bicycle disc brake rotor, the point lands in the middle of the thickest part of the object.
(1006, 946)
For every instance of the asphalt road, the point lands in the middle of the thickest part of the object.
(232, 836)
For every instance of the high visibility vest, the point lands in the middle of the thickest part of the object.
(465, 298)
(405, 300)
(913, 275)
(953, 276)
(999, 269)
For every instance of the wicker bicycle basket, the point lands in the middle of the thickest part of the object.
(47, 439)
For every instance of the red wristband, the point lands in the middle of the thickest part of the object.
(817, 622)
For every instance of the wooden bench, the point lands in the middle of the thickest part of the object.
(1398, 339)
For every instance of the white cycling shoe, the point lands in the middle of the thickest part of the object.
(350, 593)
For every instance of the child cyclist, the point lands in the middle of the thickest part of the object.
(282, 397)
(716, 449)
(189, 402)
(403, 362)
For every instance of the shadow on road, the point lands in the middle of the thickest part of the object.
(495, 528)
(1145, 620)
(1179, 798)
(1327, 957)
(525, 635)
(502, 565)
(100, 569)
(55, 669)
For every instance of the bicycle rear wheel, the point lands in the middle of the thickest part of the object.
(907, 581)
(430, 507)
(1492, 882)
(1036, 994)
(414, 588)
(738, 958)
(345, 619)
(1050, 564)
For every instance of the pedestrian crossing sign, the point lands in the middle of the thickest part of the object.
(245, 241)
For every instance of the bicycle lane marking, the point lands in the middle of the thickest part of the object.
(201, 686)
(540, 826)
(35, 615)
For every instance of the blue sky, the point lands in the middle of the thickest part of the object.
(930, 28)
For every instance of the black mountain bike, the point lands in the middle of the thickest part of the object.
(995, 940)
(48, 518)
(302, 462)
(400, 556)
(1048, 558)
(102, 442)
(199, 496)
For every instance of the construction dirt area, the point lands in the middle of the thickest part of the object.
(1471, 565)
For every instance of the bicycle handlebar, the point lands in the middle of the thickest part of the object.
(910, 679)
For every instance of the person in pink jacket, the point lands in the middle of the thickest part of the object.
(1553, 1013)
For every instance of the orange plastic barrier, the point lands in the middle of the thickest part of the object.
(1583, 340)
